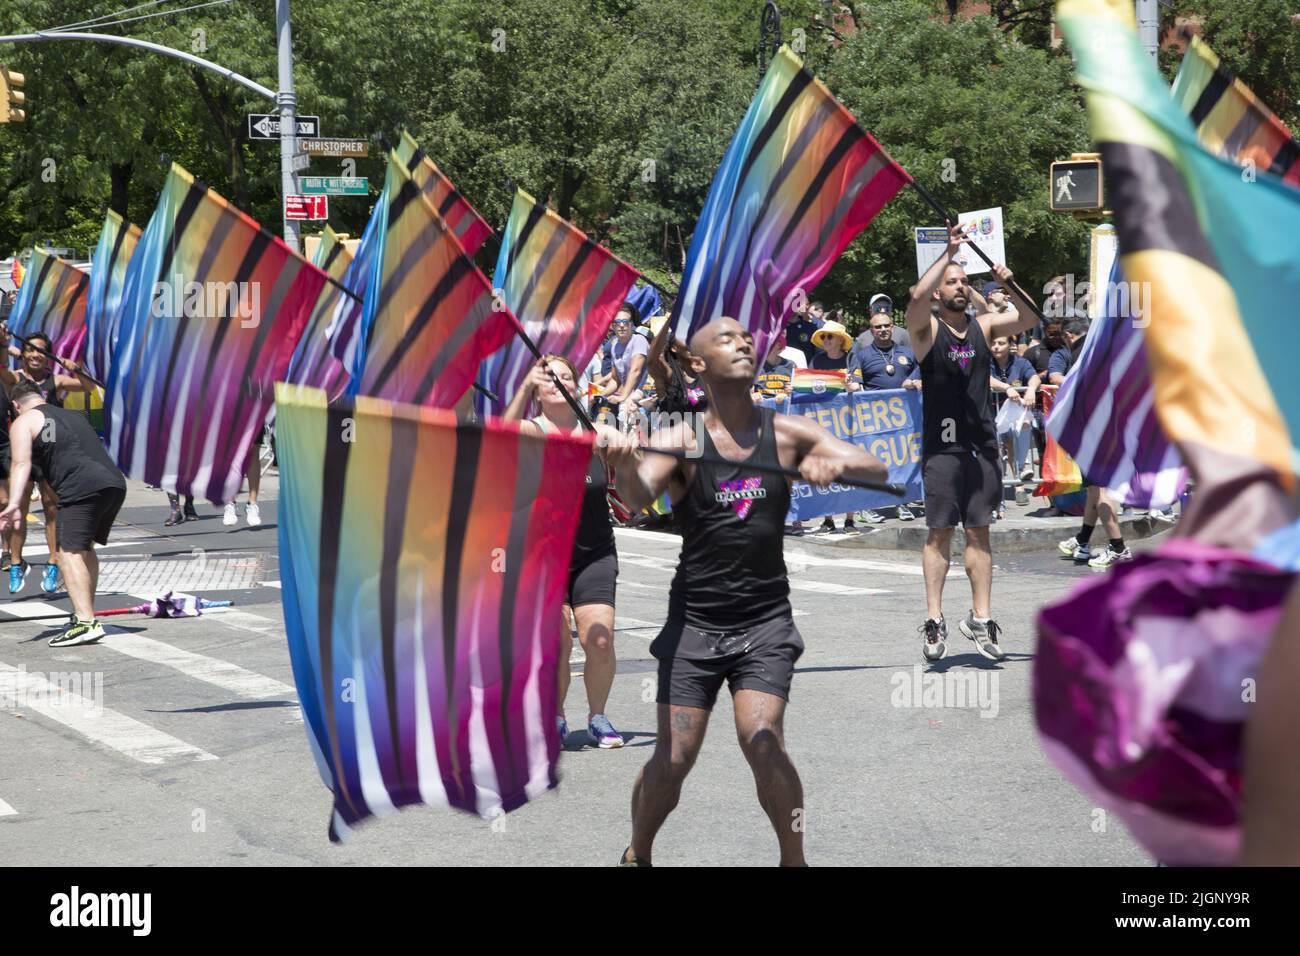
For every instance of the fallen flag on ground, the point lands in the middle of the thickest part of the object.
(424, 620)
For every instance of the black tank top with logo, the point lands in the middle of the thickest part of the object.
(955, 405)
(69, 453)
(49, 391)
(731, 574)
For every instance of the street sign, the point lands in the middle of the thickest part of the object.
(306, 207)
(1076, 185)
(299, 162)
(267, 126)
(335, 147)
(334, 185)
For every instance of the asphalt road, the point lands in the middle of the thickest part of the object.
(198, 754)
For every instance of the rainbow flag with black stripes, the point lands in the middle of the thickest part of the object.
(211, 311)
(313, 363)
(1230, 119)
(424, 562)
(564, 289)
(469, 227)
(52, 300)
(800, 179)
(117, 242)
(429, 316)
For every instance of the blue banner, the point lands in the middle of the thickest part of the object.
(885, 423)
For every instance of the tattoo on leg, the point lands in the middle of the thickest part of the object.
(683, 721)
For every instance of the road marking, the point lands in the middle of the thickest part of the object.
(6, 810)
(795, 558)
(830, 587)
(26, 609)
(95, 722)
(219, 673)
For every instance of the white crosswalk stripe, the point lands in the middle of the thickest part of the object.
(6, 810)
(219, 673)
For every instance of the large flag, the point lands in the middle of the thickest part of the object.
(1139, 676)
(424, 563)
(800, 179)
(429, 316)
(1104, 414)
(313, 363)
(117, 242)
(564, 289)
(52, 300)
(211, 311)
(470, 228)
(1230, 119)
(1060, 474)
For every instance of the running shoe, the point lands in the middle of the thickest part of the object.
(936, 638)
(6, 561)
(1110, 557)
(562, 728)
(173, 519)
(826, 527)
(1027, 473)
(850, 527)
(18, 576)
(905, 513)
(253, 514)
(603, 734)
(985, 636)
(228, 517)
(50, 579)
(795, 530)
(873, 517)
(78, 632)
(634, 859)
(1071, 548)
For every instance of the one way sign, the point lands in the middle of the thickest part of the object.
(267, 126)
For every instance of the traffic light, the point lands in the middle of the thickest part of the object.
(11, 97)
(1077, 184)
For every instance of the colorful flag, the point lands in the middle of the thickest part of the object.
(313, 363)
(1229, 119)
(429, 315)
(117, 241)
(1104, 414)
(470, 228)
(424, 562)
(808, 381)
(1059, 474)
(564, 289)
(53, 301)
(800, 180)
(1138, 675)
(211, 311)
(16, 273)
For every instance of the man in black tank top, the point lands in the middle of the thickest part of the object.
(729, 616)
(90, 490)
(959, 451)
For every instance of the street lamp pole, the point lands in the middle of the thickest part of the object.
(287, 100)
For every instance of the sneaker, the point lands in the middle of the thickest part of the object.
(905, 513)
(6, 561)
(795, 530)
(253, 514)
(173, 519)
(78, 632)
(873, 517)
(936, 638)
(1071, 548)
(562, 728)
(603, 734)
(1027, 473)
(826, 527)
(630, 859)
(849, 527)
(985, 636)
(1109, 557)
(228, 517)
(50, 580)
(18, 576)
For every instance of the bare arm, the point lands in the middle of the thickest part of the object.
(1021, 316)
(641, 477)
(821, 457)
(634, 366)
(527, 389)
(920, 320)
(21, 434)
(77, 381)
(660, 373)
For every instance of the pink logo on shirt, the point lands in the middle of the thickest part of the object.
(741, 494)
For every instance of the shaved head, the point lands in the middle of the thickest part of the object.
(723, 349)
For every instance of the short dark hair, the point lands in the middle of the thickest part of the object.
(1077, 326)
(24, 388)
(631, 310)
(43, 337)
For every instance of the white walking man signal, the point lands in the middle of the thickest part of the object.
(1063, 184)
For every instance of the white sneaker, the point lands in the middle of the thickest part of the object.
(1071, 548)
(228, 517)
(1109, 558)
(253, 514)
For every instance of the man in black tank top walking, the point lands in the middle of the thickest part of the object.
(729, 616)
(959, 451)
(90, 490)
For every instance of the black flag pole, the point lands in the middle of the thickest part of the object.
(28, 343)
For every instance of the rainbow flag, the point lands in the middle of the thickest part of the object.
(16, 273)
(469, 227)
(52, 301)
(800, 179)
(313, 363)
(117, 241)
(564, 289)
(1229, 119)
(1138, 676)
(424, 562)
(430, 316)
(808, 381)
(211, 310)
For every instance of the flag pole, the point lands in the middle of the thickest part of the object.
(27, 343)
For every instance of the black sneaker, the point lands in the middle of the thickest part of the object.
(936, 638)
(826, 527)
(985, 636)
(78, 632)
(634, 861)
(173, 519)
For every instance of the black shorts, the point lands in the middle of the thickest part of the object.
(594, 581)
(962, 488)
(693, 663)
(87, 520)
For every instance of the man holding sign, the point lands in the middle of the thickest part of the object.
(959, 452)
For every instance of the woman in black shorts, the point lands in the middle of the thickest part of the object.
(593, 568)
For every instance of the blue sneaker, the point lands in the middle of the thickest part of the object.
(603, 734)
(50, 580)
(562, 728)
(18, 576)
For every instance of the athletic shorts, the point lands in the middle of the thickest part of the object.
(694, 663)
(87, 520)
(961, 488)
(4, 463)
(594, 581)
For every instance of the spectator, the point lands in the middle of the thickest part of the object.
(628, 352)
(1063, 359)
(775, 377)
(1016, 381)
(880, 364)
(881, 304)
(832, 342)
(1040, 354)
(800, 329)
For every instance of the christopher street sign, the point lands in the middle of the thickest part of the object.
(335, 147)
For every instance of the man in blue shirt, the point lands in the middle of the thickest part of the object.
(1062, 360)
(880, 364)
(799, 331)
